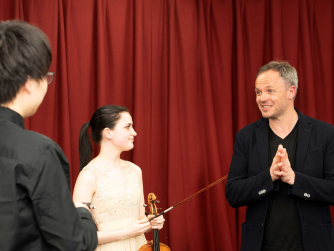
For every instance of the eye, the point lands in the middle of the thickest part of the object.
(270, 91)
(258, 92)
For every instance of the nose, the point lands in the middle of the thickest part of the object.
(133, 132)
(262, 97)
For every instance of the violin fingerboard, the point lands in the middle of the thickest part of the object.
(156, 245)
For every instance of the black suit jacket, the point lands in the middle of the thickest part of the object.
(249, 181)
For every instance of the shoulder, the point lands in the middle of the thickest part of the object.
(134, 167)
(42, 145)
(28, 147)
(317, 125)
(249, 130)
(86, 175)
(85, 185)
(31, 138)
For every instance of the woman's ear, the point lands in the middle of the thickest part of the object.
(107, 133)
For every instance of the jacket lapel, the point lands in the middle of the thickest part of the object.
(303, 138)
(263, 142)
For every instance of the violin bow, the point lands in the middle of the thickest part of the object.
(202, 190)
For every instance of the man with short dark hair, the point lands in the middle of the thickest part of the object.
(36, 208)
(282, 169)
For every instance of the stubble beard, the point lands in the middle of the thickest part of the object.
(277, 113)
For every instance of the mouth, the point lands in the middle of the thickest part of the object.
(265, 107)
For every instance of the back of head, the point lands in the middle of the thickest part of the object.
(24, 52)
(104, 117)
(287, 72)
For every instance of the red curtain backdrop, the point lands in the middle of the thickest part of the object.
(186, 70)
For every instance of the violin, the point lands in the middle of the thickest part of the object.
(152, 199)
(153, 245)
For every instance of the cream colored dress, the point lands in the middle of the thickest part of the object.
(117, 206)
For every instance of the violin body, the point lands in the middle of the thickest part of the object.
(149, 247)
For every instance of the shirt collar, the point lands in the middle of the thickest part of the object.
(11, 115)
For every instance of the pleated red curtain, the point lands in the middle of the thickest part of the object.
(186, 70)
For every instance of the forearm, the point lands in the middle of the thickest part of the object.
(242, 191)
(248, 180)
(312, 188)
(61, 224)
(115, 235)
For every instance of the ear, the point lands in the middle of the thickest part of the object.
(28, 86)
(107, 133)
(292, 92)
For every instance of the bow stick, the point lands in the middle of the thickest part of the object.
(211, 185)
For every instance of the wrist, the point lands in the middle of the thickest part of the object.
(292, 180)
(128, 233)
(273, 177)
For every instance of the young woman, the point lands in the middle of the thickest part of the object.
(111, 184)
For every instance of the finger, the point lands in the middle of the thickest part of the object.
(278, 173)
(157, 222)
(158, 218)
(143, 221)
(280, 149)
(157, 226)
(160, 221)
(279, 165)
(286, 160)
(146, 225)
(150, 216)
(283, 168)
(285, 154)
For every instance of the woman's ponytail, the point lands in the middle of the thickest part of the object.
(85, 146)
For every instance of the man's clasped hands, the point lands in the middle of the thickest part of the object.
(281, 167)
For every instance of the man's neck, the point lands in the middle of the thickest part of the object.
(283, 125)
(14, 107)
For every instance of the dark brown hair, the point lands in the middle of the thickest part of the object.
(104, 117)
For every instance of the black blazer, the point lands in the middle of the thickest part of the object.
(249, 181)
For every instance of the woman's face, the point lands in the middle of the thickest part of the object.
(123, 133)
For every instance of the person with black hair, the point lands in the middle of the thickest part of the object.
(36, 208)
(111, 184)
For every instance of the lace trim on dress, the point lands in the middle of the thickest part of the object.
(120, 200)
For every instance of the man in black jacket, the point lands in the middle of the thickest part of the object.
(283, 170)
(36, 208)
